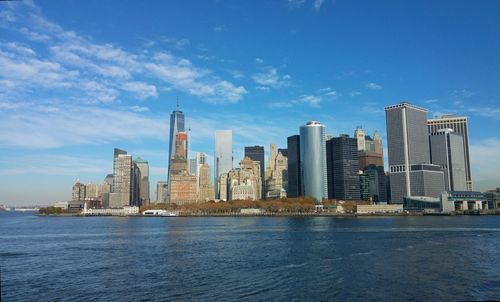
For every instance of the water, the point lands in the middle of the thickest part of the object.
(249, 259)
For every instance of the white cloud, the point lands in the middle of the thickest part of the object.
(259, 60)
(139, 109)
(317, 4)
(141, 90)
(271, 78)
(219, 28)
(309, 100)
(354, 93)
(373, 86)
(97, 71)
(29, 125)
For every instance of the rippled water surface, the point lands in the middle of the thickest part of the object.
(249, 259)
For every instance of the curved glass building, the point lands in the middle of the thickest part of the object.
(313, 160)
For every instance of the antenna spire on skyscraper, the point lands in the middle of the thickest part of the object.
(177, 102)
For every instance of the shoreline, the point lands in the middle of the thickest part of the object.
(335, 215)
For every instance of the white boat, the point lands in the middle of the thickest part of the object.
(163, 213)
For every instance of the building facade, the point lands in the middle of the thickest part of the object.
(408, 150)
(176, 125)
(294, 168)
(143, 167)
(223, 155)
(276, 175)
(459, 124)
(256, 153)
(343, 168)
(447, 151)
(313, 160)
(122, 178)
(205, 187)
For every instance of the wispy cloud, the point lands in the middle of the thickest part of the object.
(80, 68)
(373, 86)
(312, 100)
(31, 125)
(271, 79)
(220, 28)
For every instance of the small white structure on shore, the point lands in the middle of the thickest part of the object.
(125, 211)
(378, 208)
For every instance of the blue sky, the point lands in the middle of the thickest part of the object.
(78, 78)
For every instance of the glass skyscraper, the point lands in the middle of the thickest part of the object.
(176, 126)
(294, 170)
(223, 154)
(313, 160)
(343, 168)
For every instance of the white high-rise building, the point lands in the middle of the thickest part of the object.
(313, 160)
(223, 159)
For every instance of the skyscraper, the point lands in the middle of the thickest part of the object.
(459, 124)
(256, 153)
(313, 160)
(223, 159)
(447, 151)
(276, 175)
(116, 185)
(343, 169)
(411, 173)
(176, 126)
(161, 191)
(122, 179)
(206, 188)
(143, 167)
(294, 167)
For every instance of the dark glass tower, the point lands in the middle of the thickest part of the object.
(256, 153)
(343, 168)
(294, 169)
(176, 126)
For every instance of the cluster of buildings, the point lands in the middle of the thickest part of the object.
(429, 168)
(127, 186)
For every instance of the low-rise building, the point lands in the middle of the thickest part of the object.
(379, 208)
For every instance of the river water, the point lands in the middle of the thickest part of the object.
(249, 258)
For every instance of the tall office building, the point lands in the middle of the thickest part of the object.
(411, 173)
(205, 187)
(223, 159)
(343, 168)
(376, 183)
(459, 125)
(176, 126)
(276, 176)
(294, 167)
(256, 153)
(313, 160)
(135, 193)
(143, 167)
(116, 185)
(78, 191)
(161, 191)
(122, 180)
(447, 151)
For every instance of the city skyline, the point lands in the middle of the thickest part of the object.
(59, 125)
